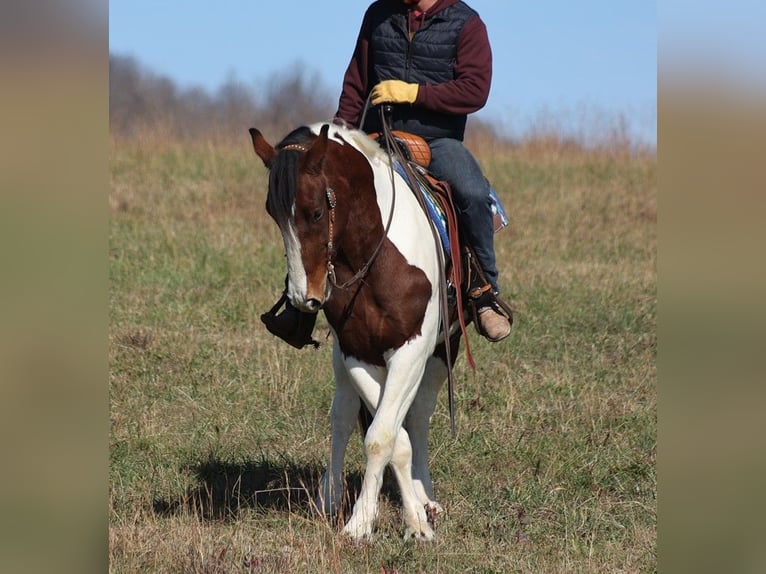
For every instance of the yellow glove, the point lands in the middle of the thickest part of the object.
(394, 92)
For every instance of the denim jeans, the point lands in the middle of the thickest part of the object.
(451, 161)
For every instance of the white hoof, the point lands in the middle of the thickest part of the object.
(425, 534)
(432, 510)
(358, 531)
(418, 524)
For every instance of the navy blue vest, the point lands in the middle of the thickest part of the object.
(428, 58)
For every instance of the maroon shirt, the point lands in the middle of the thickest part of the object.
(467, 93)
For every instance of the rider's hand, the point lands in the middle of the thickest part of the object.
(394, 92)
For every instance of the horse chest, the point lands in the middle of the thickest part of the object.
(368, 322)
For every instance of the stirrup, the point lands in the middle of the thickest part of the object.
(480, 293)
(483, 296)
(291, 325)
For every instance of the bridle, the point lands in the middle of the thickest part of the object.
(332, 201)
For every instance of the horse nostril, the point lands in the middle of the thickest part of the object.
(314, 304)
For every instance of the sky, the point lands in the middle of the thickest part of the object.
(580, 64)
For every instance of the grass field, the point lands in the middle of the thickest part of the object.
(219, 431)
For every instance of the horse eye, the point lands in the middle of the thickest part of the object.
(317, 215)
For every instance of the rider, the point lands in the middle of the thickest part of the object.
(432, 59)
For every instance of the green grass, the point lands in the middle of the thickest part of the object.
(219, 431)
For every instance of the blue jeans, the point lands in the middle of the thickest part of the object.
(451, 161)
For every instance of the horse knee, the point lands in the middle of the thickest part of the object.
(379, 444)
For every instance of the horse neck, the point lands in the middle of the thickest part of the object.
(363, 229)
(368, 192)
(363, 226)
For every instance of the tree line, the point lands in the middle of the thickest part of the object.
(142, 101)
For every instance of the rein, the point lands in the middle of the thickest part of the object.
(395, 152)
(331, 200)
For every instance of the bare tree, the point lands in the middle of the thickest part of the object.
(295, 97)
(141, 101)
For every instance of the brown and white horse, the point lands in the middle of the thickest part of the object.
(360, 248)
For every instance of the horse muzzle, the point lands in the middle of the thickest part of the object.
(309, 302)
(312, 298)
(311, 305)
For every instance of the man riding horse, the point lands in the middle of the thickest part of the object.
(432, 60)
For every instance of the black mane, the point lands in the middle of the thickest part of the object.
(282, 179)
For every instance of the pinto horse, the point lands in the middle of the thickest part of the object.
(360, 248)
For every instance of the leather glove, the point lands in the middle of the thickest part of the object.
(394, 92)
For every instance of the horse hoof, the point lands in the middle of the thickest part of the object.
(421, 535)
(433, 509)
(358, 533)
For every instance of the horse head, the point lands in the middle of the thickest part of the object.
(301, 202)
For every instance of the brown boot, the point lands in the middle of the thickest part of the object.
(493, 324)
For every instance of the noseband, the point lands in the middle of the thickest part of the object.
(332, 201)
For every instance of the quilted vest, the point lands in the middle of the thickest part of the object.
(428, 58)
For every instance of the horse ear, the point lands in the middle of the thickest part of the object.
(312, 163)
(262, 148)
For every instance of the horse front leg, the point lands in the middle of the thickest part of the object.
(343, 416)
(383, 441)
(414, 511)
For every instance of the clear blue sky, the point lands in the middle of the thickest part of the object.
(578, 60)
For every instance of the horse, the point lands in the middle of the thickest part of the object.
(360, 248)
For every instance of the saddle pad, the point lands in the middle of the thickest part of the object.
(499, 216)
(439, 218)
(435, 211)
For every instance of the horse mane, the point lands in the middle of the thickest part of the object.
(282, 179)
(362, 142)
(282, 184)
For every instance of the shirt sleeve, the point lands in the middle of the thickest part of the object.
(355, 89)
(469, 91)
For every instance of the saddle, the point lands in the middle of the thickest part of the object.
(413, 147)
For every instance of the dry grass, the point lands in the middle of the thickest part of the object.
(219, 430)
